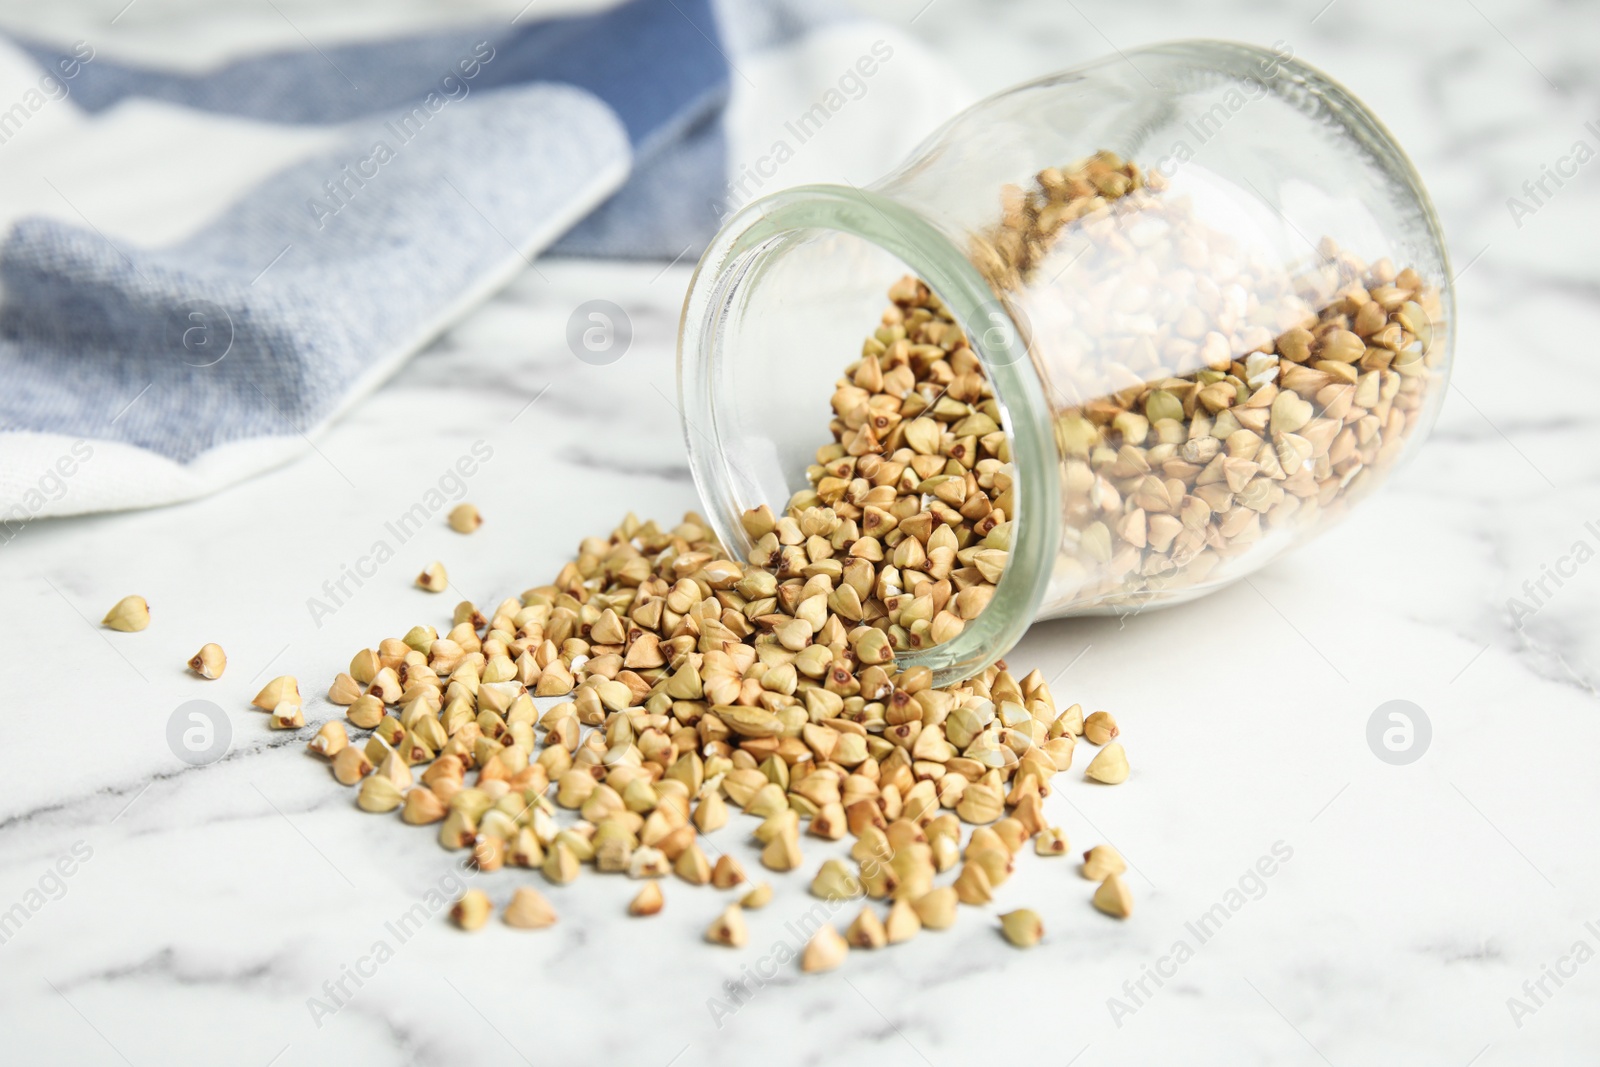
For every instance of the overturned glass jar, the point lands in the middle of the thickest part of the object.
(1208, 290)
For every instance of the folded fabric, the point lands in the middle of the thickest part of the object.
(339, 207)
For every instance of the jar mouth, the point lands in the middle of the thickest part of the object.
(757, 231)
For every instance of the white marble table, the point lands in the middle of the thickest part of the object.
(206, 906)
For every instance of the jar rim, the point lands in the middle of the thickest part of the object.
(757, 230)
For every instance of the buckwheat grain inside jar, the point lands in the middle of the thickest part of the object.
(1208, 290)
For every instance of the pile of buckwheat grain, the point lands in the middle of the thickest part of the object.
(688, 683)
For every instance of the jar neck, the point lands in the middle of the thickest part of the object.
(722, 281)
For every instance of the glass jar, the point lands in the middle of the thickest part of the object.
(1209, 291)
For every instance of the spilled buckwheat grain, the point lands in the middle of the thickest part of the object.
(675, 695)
(679, 681)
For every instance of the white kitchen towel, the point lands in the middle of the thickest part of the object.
(199, 270)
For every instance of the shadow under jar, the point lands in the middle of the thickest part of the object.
(1208, 290)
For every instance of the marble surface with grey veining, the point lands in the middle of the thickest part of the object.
(1299, 900)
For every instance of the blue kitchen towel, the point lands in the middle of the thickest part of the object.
(410, 178)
